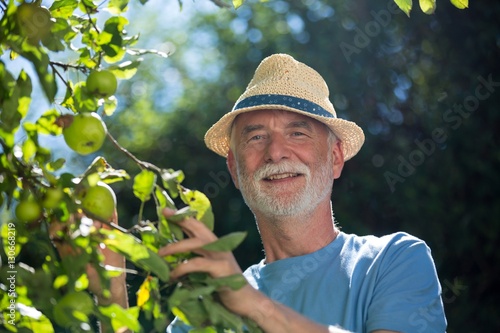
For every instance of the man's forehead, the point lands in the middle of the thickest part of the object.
(254, 117)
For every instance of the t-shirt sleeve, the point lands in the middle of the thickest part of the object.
(407, 293)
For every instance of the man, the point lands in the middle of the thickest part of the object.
(285, 147)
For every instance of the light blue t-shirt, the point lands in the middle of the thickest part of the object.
(360, 283)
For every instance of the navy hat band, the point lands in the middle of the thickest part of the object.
(289, 101)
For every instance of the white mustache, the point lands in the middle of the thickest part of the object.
(283, 167)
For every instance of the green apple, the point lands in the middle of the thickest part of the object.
(101, 83)
(52, 197)
(28, 210)
(86, 133)
(35, 22)
(99, 201)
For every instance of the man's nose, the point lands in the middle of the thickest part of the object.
(277, 149)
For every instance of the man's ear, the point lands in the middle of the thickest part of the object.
(338, 159)
(231, 166)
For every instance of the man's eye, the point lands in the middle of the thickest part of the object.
(256, 137)
(298, 134)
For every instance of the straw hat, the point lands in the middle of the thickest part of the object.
(280, 82)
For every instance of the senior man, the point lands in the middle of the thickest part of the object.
(285, 147)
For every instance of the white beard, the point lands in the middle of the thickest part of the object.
(279, 202)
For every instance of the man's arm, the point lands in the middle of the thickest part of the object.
(118, 288)
(248, 302)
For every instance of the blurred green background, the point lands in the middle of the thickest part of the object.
(425, 90)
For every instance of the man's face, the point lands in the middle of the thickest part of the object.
(283, 162)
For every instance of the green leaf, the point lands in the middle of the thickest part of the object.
(460, 4)
(404, 5)
(17, 100)
(111, 39)
(139, 254)
(235, 281)
(164, 200)
(171, 180)
(222, 317)
(130, 41)
(41, 61)
(144, 184)
(74, 306)
(237, 3)
(180, 314)
(200, 203)
(428, 6)
(182, 214)
(149, 235)
(117, 7)
(7, 81)
(29, 149)
(88, 6)
(56, 165)
(121, 317)
(182, 295)
(80, 100)
(166, 230)
(113, 176)
(185, 303)
(46, 124)
(63, 8)
(24, 86)
(226, 243)
(61, 281)
(98, 165)
(126, 69)
(208, 329)
(60, 29)
(34, 323)
(110, 105)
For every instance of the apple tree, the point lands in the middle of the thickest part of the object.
(49, 236)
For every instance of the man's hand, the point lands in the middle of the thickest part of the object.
(118, 285)
(216, 264)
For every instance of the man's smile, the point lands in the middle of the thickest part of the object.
(282, 176)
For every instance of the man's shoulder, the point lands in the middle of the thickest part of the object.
(394, 244)
(399, 238)
(393, 256)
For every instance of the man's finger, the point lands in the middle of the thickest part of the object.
(215, 268)
(192, 227)
(185, 245)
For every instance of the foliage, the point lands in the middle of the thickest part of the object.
(52, 289)
(51, 242)
(400, 86)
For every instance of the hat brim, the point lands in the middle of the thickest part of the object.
(350, 134)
